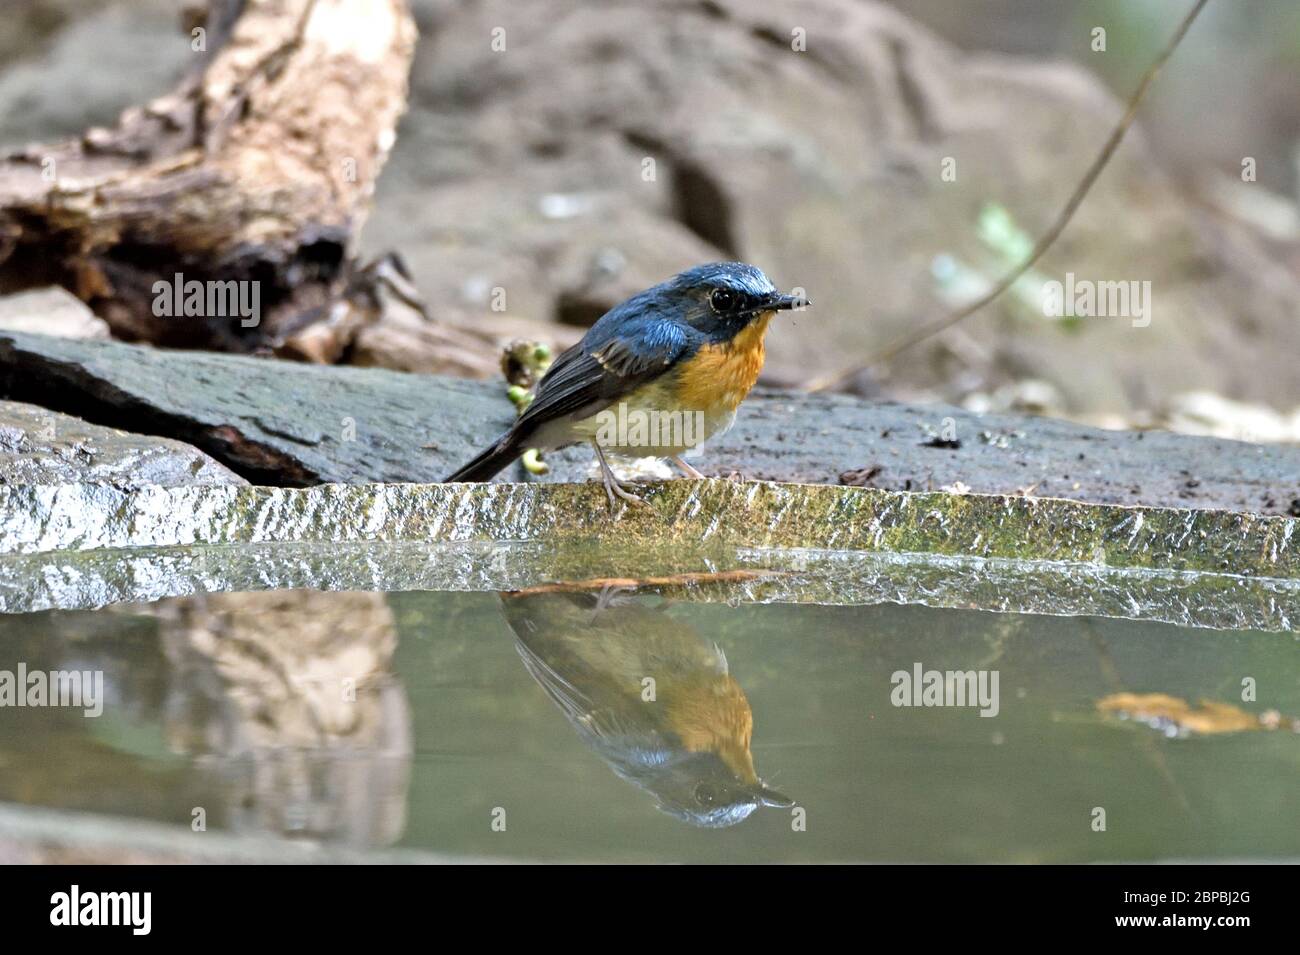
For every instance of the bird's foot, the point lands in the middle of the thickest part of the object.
(612, 595)
(689, 470)
(614, 488)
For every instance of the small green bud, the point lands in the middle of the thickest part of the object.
(533, 462)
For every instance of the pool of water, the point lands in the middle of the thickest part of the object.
(618, 723)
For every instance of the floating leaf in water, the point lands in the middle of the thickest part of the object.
(1173, 716)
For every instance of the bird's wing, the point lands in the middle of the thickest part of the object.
(591, 376)
(613, 730)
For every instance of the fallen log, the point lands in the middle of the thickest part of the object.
(257, 170)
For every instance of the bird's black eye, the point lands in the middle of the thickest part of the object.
(722, 299)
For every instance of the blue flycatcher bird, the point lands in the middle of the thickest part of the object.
(674, 361)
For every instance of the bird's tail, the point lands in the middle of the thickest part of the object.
(489, 463)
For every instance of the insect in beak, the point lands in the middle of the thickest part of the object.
(784, 303)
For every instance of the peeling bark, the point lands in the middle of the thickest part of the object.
(258, 167)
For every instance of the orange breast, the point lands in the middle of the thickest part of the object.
(722, 375)
(713, 716)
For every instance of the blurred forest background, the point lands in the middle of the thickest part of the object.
(522, 169)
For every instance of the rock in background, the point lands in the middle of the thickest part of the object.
(296, 425)
(50, 311)
(43, 447)
(519, 180)
(526, 166)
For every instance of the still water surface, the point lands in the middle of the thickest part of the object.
(628, 726)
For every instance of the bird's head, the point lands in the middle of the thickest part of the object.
(721, 298)
(701, 789)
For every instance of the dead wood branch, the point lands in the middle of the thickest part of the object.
(259, 167)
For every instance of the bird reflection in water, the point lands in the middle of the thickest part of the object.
(650, 694)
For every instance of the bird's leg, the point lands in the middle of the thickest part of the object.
(610, 595)
(686, 467)
(613, 486)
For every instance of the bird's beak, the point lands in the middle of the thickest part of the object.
(784, 303)
(772, 798)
